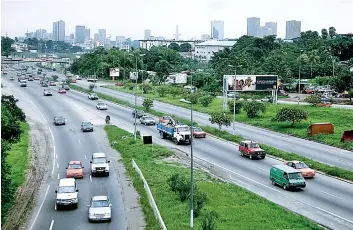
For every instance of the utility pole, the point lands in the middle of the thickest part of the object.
(300, 63)
(192, 165)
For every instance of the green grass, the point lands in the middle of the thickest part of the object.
(329, 170)
(339, 117)
(234, 205)
(18, 157)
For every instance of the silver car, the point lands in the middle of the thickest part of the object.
(100, 209)
(101, 106)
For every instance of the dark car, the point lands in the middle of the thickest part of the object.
(147, 120)
(59, 120)
(45, 84)
(86, 126)
(66, 87)
(93, 96)
(139, 113)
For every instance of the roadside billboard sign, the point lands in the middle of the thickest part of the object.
(133, 75)
(250, 82)
(114, 72)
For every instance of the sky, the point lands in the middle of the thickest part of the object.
(131, 17)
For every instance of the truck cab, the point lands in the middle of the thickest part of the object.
(177, 133)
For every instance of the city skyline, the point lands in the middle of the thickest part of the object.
(314, 17)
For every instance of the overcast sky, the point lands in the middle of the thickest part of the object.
(131, 17)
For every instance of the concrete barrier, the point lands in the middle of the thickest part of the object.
(150, 196)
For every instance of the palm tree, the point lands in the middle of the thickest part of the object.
(313, 58)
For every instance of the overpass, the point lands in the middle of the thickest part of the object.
(17, 60)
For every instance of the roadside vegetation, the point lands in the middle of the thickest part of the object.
(225, 120)
(169, 185)
(14, 152)
(339, 117)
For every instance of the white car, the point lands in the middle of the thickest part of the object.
(101, 106)
(47, 92)
(12, 78)
(100, 209)
(67, 193)
(99, 164)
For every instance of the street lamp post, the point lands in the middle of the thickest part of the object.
(192, 165)
(300, 63)
(235, 75)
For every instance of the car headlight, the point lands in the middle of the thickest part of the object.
(107, 214)
(91, 214)
(74, 199)
(107, 169)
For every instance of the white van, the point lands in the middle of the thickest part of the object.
(99, 164)
(67, 193)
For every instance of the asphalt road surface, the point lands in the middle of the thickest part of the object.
(72, 144)
(325, 199)
(313, 150)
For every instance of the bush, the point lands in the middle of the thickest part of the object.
(292, 114)
(162, 91)
(254, 108)
(200, 199)
(313, 99)
(220, 118)
(175, 91)
(146, 87)
(206, 100)
(209, 220)
(129, 86)
(238, 106)
(193, 98)
(180, 185)
(91, 87)
(147, 104)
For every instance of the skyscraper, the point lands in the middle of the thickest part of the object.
(102, 36)
(217, 30)
(272, 28)
(120, 40)
(59, 31)
(263, 31)
(41, 34)
(293, 29)
(87, 34)
(147, 34)
(80, 34)
(253, 25)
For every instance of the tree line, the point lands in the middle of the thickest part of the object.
(11, 117)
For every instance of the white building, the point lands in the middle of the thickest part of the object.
(217, 30)
(19, 47)
(124, 47)
(148, 44)
(204, 51)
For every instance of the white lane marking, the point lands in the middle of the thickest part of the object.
(57, 165)
(52, 135)
(212, 150)
(260, 168)
(85, 157)
(90, 178)
(55, 206)
(350, 221)
(79, 141)
(51, 225)
(40, 207)
(56, 156)
(58, 176)
(332, 195)
(30, 101)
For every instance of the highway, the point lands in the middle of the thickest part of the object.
(71, 144)
(325, 200)
(313, 150)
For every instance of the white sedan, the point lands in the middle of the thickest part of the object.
(101, 106)
(100, 209)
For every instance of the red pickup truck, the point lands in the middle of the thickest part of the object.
(251, 149)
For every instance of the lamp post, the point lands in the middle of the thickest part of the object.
(136, 76)
(300, 63)
(235, 75)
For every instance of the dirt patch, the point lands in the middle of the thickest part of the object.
(41, 149)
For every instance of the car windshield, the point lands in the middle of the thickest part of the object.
(66, 189)
(99, 160)
(183, 129)
(254, 145)
(148, 118)
(86, 123)
(75, 166)
(59, 118)
(99, 203)
(301, 165)
(167, 118)
(294, 176)
(101, 104)
(93, 94)
(197, 130)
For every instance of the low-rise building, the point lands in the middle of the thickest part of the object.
(148, 44)
(204, 51)
(19, 46)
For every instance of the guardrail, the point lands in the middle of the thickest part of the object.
(150, 196)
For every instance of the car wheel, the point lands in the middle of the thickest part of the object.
(250, 157)
(285, 187)
(75, 205)
(241, 153)
(263, 157)
(93, 174)
(109, 220)
(107, 174)
(176, 141)
(161, 134)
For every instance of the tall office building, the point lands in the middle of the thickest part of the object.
(80, 34)
(119, 40)
(96, 37)
(262, 31)
(147, 34)
(59, 31)
(87, 34)
(293, 29)
(217, 30)
(272, 28)
(102, 36)
(253, 24)
(41, 34)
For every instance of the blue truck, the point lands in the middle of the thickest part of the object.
(177, 133)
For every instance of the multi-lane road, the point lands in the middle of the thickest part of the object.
(313, 150)
(325, 200)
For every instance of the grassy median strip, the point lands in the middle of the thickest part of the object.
(235, 206)
(339, 117)
(329, 170)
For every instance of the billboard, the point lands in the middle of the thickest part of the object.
(114, 72)
(251, 82)
(177, 78)
(134, 75)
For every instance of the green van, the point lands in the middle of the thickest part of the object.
(286, 177)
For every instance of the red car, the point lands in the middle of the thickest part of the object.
(251, 149)
(165, 119)
(62, 90)
(74, 169)
(198, 132)
(302, 167)
(119, 84)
